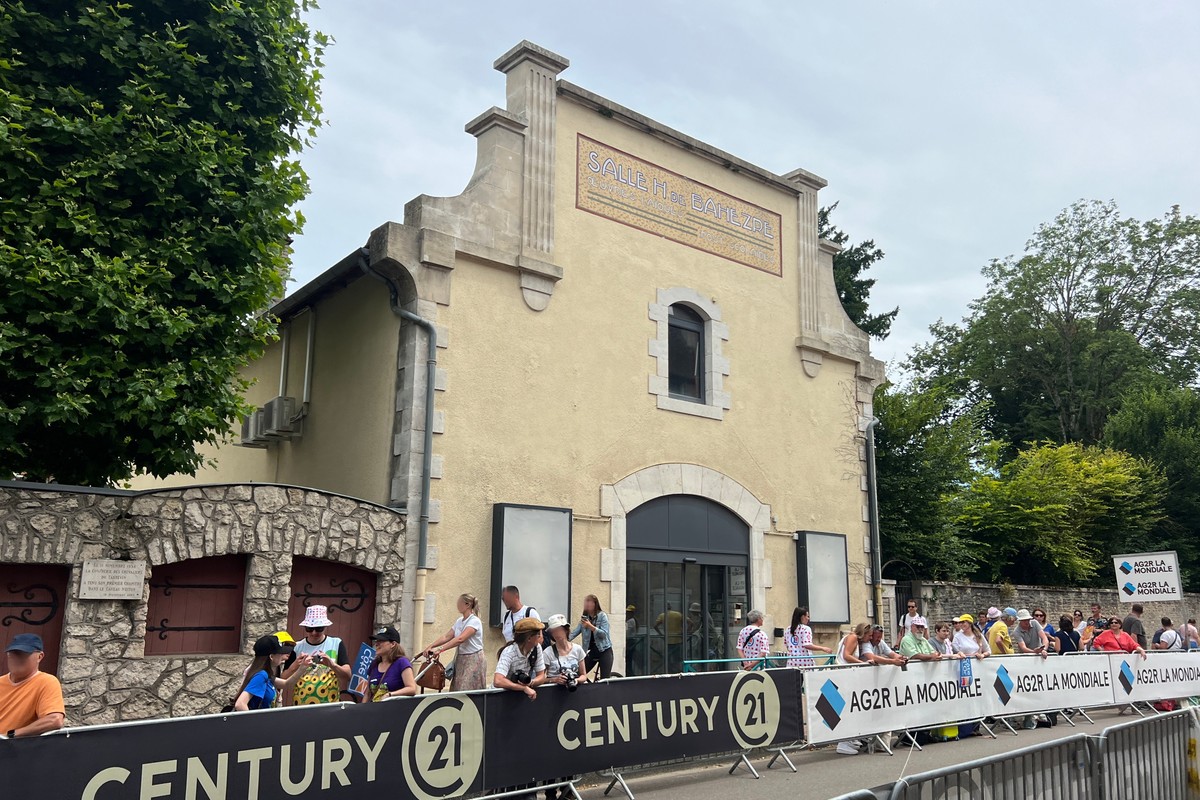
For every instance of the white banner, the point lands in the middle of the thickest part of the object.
(1159, 676)
(1148, 577)
(852, 702)
(1034, 685)
(859, 701)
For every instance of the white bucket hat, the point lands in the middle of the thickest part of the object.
(556, 621)
(316, 617)
(1024, 614)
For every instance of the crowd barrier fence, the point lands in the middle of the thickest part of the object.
(1146, 759)
(457, 744)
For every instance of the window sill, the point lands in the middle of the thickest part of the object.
(693, 407)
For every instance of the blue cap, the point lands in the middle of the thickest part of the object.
(1010, 612)
(25, 643)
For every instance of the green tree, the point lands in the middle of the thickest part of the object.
(924, 453)
(1098, 305)
(148, 154)
(1162, 425)
(1055, 513)
(848, 267)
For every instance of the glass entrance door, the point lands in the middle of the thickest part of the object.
(682, 612)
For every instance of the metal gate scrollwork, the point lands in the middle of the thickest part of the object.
(349, 596)
(28, 606)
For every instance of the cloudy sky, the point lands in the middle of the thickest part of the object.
(947, 130)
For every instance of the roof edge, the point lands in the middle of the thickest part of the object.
(792, 183)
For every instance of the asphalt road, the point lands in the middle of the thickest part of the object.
(822, 773)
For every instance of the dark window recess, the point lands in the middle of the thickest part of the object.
(196, 606)
(685, 353)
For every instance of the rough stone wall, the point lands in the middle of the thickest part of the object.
(942, 601)
(105, 674)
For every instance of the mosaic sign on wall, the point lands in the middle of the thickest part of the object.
(624, 188)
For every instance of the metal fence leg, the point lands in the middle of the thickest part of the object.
(616, 778)
(780, 753)
(574, 791)
(883, 743)
(1084, 714)
(912, 740)
(743, 760)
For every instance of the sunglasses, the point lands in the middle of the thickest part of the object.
(911, 607)
(314, 630)
(1114, 622)
(1040, 616)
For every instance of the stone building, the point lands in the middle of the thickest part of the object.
(643, 385)
(214, 568)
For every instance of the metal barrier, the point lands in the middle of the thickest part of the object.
(766, 662)
(1146, 758)
(1060, 770)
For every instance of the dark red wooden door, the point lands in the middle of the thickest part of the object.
(348, 593)
(33, 600)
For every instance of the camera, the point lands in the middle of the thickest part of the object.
(572, 678)
(521, 677)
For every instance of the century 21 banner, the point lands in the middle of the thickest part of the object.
(430, 747)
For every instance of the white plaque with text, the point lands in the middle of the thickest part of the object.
(109, 579)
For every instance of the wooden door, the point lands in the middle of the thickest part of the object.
(348, 593)
(33, 600)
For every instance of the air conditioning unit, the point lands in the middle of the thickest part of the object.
(277, 419)
(252, 431)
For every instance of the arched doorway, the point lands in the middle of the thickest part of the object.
(687, 573)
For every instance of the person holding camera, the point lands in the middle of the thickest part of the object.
(593, 624)
(262, 682)
(329, 672)
(566, 663)
(521, 666)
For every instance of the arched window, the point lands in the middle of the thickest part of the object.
(689, 363)
(685, 353)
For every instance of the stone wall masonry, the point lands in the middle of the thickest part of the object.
(105, 674)
(942, 600)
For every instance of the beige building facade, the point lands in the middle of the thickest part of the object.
(645, 387)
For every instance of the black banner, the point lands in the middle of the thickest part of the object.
(636, 721)
(424, 748)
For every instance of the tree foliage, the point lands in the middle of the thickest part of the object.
(1162, 425)
(148, 154)
(1098, 305)
(1055, 513)
(924, 454)
(848, 267)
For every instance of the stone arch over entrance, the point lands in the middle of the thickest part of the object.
(619, 498)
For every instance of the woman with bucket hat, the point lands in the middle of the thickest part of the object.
(329, 674)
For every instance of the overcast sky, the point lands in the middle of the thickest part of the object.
(947, 131)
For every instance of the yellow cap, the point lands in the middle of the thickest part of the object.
(284, 637)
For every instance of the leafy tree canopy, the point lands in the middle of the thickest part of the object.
(148, 154)
(925, 451)
(848, 267)
(1162, 425)
(1098, 305)
(1055, 513)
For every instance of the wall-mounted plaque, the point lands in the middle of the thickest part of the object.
(626, 189)
(109, 579)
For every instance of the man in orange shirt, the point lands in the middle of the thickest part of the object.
(31, 701)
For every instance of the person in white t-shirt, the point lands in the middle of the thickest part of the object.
(1169, 639)
(906, 622)
(514, 610)
(465, 635)
(969, 641)
(521, 666)
(563, 658)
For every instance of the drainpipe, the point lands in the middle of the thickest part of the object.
(427, 460)
(873, 502)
